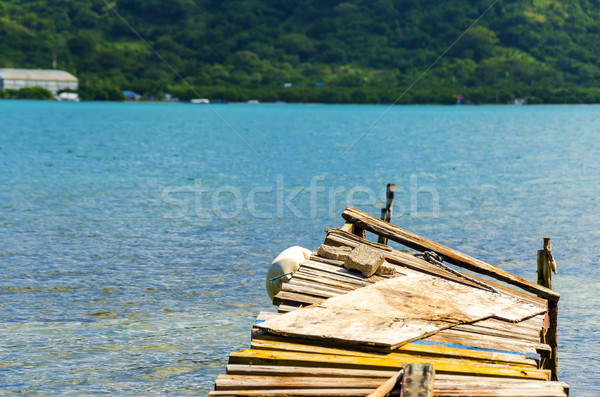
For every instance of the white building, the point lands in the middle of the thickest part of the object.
(52, 80)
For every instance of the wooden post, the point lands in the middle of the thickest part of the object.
(386, 213)
(417, 380)
(362, 233)
(545, 266)
(414, 380)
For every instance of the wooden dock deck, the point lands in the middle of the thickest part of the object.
(339, 333)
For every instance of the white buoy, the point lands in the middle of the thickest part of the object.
(283, 267)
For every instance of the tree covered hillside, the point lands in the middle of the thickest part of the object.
(360, 50)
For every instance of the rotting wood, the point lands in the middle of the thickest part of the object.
(277, 370)
(487, 350)
(492, 327)
(475, 389)
(286, 358)
(491, 357)
(239, 374)
(546, 266)
(295, 392)
(356, 239)
(460, 338)
(552, 338)
(526, 328)
(457, 258)
(395, 311)
(428, 353)
(241, 382)
(320, 284)
(406, 260)
(319, 293)
(284, 297)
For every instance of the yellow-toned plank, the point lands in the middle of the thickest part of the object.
(269, 357)
(273, 342)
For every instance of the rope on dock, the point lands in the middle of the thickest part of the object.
(437, 259)
(272, 280)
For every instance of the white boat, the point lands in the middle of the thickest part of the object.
(200, 100)
(67, 97)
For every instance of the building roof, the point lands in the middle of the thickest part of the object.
(36, 74)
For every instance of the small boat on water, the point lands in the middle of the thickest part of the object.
(67, 97)
(200, 101)
(360, 318)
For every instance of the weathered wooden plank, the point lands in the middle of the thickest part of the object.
(264, 316)
(425, 351)
(278, 370)
(449, 383)
(501, 392)
(286, 308)
(293, 393)
(396, 311)
(477, 328)
(318, 282)
(470, 339)
(241, 382)
(520, 330)
(404, 260)
(526, 329)
(322, 292)
(411, 240)
(441, 379)
(286, 358)
(487, 342)
(387, 386)
(329, 261)
(319, 275)
(284, 297)
(475, 392)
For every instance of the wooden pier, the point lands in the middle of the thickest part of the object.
(419, 328)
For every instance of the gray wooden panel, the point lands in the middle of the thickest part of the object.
(398, 310)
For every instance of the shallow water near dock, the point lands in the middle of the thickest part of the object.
(135, 238)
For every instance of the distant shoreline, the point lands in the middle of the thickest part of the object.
(307, 103)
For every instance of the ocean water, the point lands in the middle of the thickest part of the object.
(134, 238)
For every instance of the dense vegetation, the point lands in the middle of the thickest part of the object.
(360, 50)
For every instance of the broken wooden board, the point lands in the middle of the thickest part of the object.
(411, 240)
(396, 311)
(383, 362)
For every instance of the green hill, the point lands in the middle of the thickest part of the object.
(361, 51)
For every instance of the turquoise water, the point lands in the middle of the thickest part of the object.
(134, 238)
